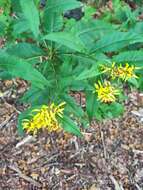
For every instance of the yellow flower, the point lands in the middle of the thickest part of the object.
(106, 92)
(45, 117)
(123, 72)
(126, 72)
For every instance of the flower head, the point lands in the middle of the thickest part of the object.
(125, 72)
(106, 92)
(45, 117)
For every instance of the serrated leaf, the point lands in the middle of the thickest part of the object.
(53, 22)
(62, 5)
(31, 15)
(88, 73)
(72, 106)
(25, 50)
(20, 26)
(69, 126)
(4, 75)
(20, 68)
(34, 96)
(115, 41)
(66, 39)
(91, 30)
(91, 104)
(135, 57)
(53, 19)
(112, 110)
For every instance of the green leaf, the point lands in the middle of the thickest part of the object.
(25, 50)
(69, 126)
(116, 41)
(20, 26)
(4, 75)
(66, 39)
(20, 68)
(53, 19)
(61, 6)
(112, 110)
(31, 15)
(34, 96)
(91, 30)
(91, 104)
(3, 24)
(134, 82)
(88, 73)
(135, 57)
(138, 28)
(72, 106)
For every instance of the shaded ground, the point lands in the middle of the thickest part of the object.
(109, 158)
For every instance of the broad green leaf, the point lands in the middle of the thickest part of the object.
(138, 28)
(112, 110)
(3, 24)
(72, 106)
(20, 68)
(135, 57)
(69, 126)
(90, 31)
(91, 104)
(88, 73)
(66, 39)
(20, 26)
(62, 5)
(115, 41)
(53, 19)
(34, 96)
(25, 50)
(4, 75)
(31, 15)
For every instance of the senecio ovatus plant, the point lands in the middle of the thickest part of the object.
(60, 57)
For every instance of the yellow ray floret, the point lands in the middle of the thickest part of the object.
(125, 72)
(106, 92)
(45, 117)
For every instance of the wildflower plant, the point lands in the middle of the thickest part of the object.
(57, 56)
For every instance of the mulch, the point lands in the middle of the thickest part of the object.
(109, 157)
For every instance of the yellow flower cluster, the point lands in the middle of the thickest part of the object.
(123, 72)
(45, 117)
(106, 92)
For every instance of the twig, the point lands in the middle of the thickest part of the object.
(103, 143)
(72, 177)
(137, 186)
(6, 121)
(133, 150)
(74, 140)
(26, 140)
(116, 184)
(29, 179)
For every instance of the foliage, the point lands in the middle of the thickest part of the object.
(59, 56)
